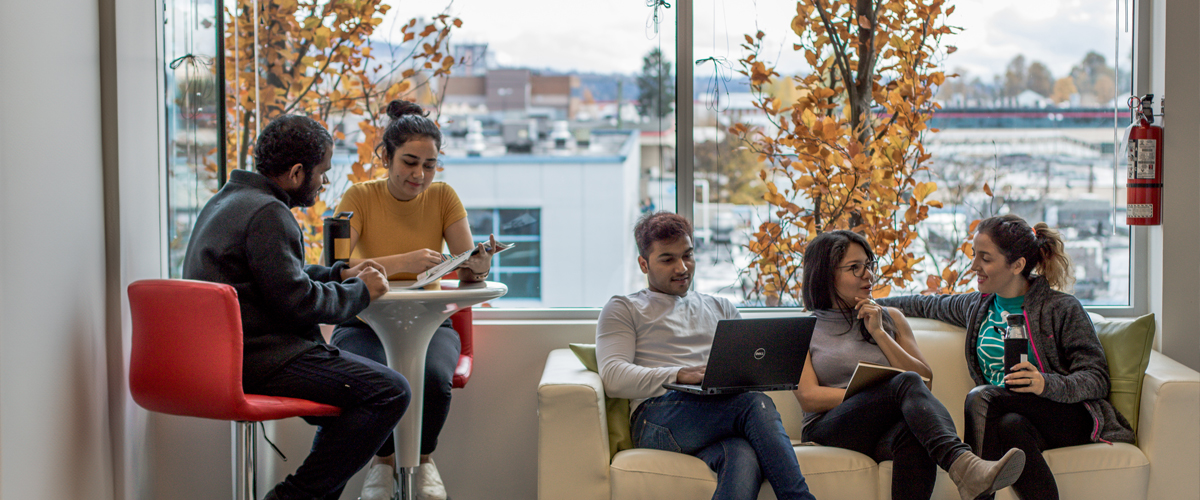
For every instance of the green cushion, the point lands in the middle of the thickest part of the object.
(619, 437)
(1127, 344)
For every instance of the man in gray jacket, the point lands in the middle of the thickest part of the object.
(247, 237)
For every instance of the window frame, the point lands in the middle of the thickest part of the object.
(1139, 303)
(685, 165)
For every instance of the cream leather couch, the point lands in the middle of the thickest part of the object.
(573, 459)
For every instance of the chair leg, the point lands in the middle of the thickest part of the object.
(245, 456)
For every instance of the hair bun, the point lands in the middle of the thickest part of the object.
(399, 107)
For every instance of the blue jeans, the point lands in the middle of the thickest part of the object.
(739, 436)
(372, 397)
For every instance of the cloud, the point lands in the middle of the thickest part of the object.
(1057, 33)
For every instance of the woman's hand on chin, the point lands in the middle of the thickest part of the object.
(871, 314)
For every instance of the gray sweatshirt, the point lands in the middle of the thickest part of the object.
(644, 338)
(1065, 347)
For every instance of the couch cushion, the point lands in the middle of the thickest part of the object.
(837, 472)
(942, 346)
(616, 409)
(655, 474)
(1100, 470)
(1127, 344)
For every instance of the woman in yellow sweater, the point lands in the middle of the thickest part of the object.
(401, 222)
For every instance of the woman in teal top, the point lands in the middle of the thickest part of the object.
(897, 420)
(1057, 397)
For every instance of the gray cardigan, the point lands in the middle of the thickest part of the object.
(1065, 347)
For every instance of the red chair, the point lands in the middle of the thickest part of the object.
(463, 323)
(186, 360)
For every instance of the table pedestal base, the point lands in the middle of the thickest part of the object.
(406, 485)
(405, 321)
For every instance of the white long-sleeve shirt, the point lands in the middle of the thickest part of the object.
(643, 339)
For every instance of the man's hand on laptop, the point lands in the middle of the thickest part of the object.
(690, 375)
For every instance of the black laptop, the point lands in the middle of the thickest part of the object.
(764, 354)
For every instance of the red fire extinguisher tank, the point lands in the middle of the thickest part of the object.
(1143, 199)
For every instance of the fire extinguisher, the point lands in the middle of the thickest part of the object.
(1143, 193)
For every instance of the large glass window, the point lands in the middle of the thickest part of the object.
(562, 128)
(1034, 112)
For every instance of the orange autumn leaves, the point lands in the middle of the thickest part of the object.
(846, 153)
(317, 59)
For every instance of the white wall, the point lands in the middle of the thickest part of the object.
(1174, 269)
(488, 448)
(54, 441)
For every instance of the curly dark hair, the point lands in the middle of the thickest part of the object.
(288, 140)
(659, 226)
(409, 121)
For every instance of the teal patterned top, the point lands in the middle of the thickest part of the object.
(990, 349)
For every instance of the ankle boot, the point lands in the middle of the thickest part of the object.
(976, 477)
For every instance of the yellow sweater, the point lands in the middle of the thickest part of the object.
(387, 226)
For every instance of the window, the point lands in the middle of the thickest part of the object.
(583, 137)
(1035, 113)
(189, 42)
(520, 268)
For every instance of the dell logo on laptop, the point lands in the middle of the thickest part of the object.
(760, 353)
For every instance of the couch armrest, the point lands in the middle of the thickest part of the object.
(572, 431)
(1168, 430)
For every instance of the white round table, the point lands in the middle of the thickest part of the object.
(405, 321)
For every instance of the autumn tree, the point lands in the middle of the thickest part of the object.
(1104, 88)
(1014, 76)
(317, 58)
(656, 86)
(1091, 68)
(1064, 88)
(732, 171)
(845, 154)
(1039, 79)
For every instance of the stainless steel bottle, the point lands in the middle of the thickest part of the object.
(337, 238)
(1016, 342)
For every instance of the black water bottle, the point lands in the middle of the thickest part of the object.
(1016, 342)
(337, 238)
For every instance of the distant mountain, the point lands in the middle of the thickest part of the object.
(603, 87)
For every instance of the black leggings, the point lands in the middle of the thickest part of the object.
(998, 419)
(897, 420)
(440, 362)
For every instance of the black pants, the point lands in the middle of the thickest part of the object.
(372, 397)
(998, 419)
(898, 420)
(440, 362)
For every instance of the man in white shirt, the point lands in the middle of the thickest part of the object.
(663, 333)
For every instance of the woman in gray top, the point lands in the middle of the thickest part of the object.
(1055, 399)
(897, 420)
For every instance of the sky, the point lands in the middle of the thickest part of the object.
(574, 35)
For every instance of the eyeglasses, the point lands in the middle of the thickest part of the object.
(859, 269)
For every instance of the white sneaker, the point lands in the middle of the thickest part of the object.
(429, 483)
(380, 483)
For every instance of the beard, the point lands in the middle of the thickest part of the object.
(305, 196)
